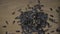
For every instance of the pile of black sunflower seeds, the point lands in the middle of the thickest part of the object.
(33, 20)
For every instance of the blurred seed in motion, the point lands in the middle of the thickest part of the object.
(51, 15)
(57, 10)
(6, 32)
(6, 22)
(48, 33)
(17, 17)
(29, 7)
(13, 13)
(17, 30)
(57, 30)
(52, 31)
(13, 21)
(51, 9)
(4, 26)
(59, 7)
(42, 5)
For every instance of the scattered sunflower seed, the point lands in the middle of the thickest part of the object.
(4, 26)
(6, 22)
(13, 13)
(17, 30)
(51, 9)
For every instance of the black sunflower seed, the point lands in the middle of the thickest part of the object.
(17, 30)
(51, 15)
(13, 21)
(4, 26)
(6, 32)
(51, 9)
(58, 7)
(52, 31)
(57, 30)
(6, 22)
(48, 33)
(13, 13)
